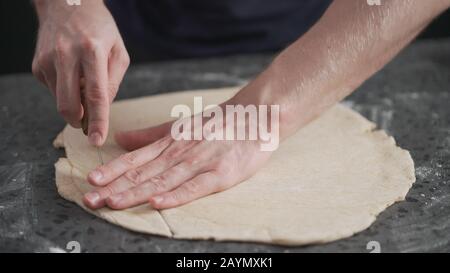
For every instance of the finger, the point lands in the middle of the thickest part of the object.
(152, 170)
(162, 183)
(117, 66)
(202, 185)
(136, 139)
(95, 71)
(96, 199)
(134, 177)
(117, 167)
(68, 90)
(171, 156)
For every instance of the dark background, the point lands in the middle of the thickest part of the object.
(18, 33)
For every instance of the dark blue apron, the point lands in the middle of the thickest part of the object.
(164, 29)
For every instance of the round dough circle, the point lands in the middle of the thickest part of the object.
(327, 182)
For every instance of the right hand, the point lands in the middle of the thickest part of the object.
(76, 42)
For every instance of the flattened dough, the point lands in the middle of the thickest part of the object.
(327, 182)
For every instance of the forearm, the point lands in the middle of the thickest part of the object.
(349, 44)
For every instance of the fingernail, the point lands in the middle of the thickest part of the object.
(115, 198)
(93, 197)
(96, 176)
(95, 139)
(157, 199)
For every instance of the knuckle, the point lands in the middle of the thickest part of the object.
(129, 159)
(96, 95)
(35, 69)
(62, 49)
(106, 191)
(191, 162)
(65, 110)
(172, 154)
(158, 184)
(223, 168)
(134, 176)
(192, 188)
(98, 123)
(177, 196)
(91, 45)
(125, 60)
(168, 155)
(165, 158)
(42, 59)
(109, 190)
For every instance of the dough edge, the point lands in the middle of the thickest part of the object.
(63, 167)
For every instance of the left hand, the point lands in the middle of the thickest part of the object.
(169, 173)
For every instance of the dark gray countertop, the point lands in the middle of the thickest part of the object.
(410, 99)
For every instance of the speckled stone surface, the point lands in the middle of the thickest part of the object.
(410, 99)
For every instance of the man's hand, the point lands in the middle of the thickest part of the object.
(76, 42)
(169, 173)
(350, 43)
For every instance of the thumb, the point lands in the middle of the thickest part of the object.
(135, 139)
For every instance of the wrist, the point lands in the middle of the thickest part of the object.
(267, 89)
(45, 8)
